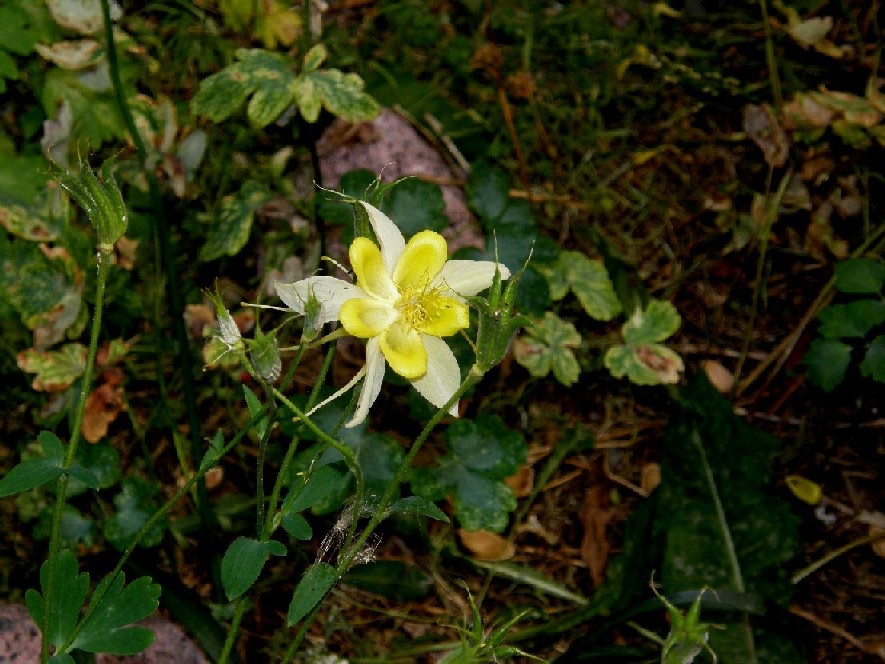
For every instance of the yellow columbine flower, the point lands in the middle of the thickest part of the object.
(406, 297)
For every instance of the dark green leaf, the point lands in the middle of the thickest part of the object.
(486, 446)
(854, 319)
(418, 505)
(52, 446)
(67, 599)
(231, 228)
(29, 475)
(101, 461)
(75, 527)
(242, 565)
(873, 364)
(482, 503)
(135, 505)
(314, 585)
(109, 629)
(487, 192)
(320, 483)
(254, 406)
(297, 526)
(390, 578)
(416, 206)
(483, 453)
(826, 362)
(723, 527)
(860, 275)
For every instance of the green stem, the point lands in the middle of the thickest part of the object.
(348, 556)
(164, 247)
(231, 637)
(156, 517)
(105, 261)
(347, 559)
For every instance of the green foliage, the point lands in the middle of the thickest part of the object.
(267, 80)
(313, 586)
(510, 225)
(549, 345)
(642, 358)
(390, 578)
(416, 206)
(587, 279)
(481, 454)
(135, 504)
(721, 525)
(113, 609)
(479, 644)
(233, 222)
(688, 635)
(22, 25)
(846, 328)
(243, 562)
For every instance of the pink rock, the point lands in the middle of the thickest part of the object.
(20, 642)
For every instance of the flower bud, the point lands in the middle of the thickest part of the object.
(497, 323)
(313, 319)
(265, 355)
(100, 197)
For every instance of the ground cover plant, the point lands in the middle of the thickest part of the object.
(600, 384)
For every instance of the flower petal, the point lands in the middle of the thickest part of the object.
(443, 374)
(389, 236)
(445, 315)
(366, 317)
(404, 350)
(329, 291)
(421, 260)
(374, 370)
(371, 274)
(470, 277)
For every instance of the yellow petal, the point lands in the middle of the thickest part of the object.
(366, 317)
(371, 275)
(421, 260)
(404, 351)
(445, 316)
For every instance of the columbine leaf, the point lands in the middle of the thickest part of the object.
(589, 281)
(109, 629)
(873, 364)
(826, 362)
(231, 228)
(854, 319)
(487, 192)
(314, 585)
(266, 77)
(549, 346)
(56, 370)
(243, 562)
(860, 275)
(70, 592)
(653, 364)
(135, 505)
(339, 93)
(658, 321)
(417, 206)
(482, 453)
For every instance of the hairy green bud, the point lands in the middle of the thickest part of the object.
(99, 196)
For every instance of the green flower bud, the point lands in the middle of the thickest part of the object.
(497, 322)
(313, 324)
(100, 197)
(265, 355)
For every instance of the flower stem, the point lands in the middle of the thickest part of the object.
(105, 260)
